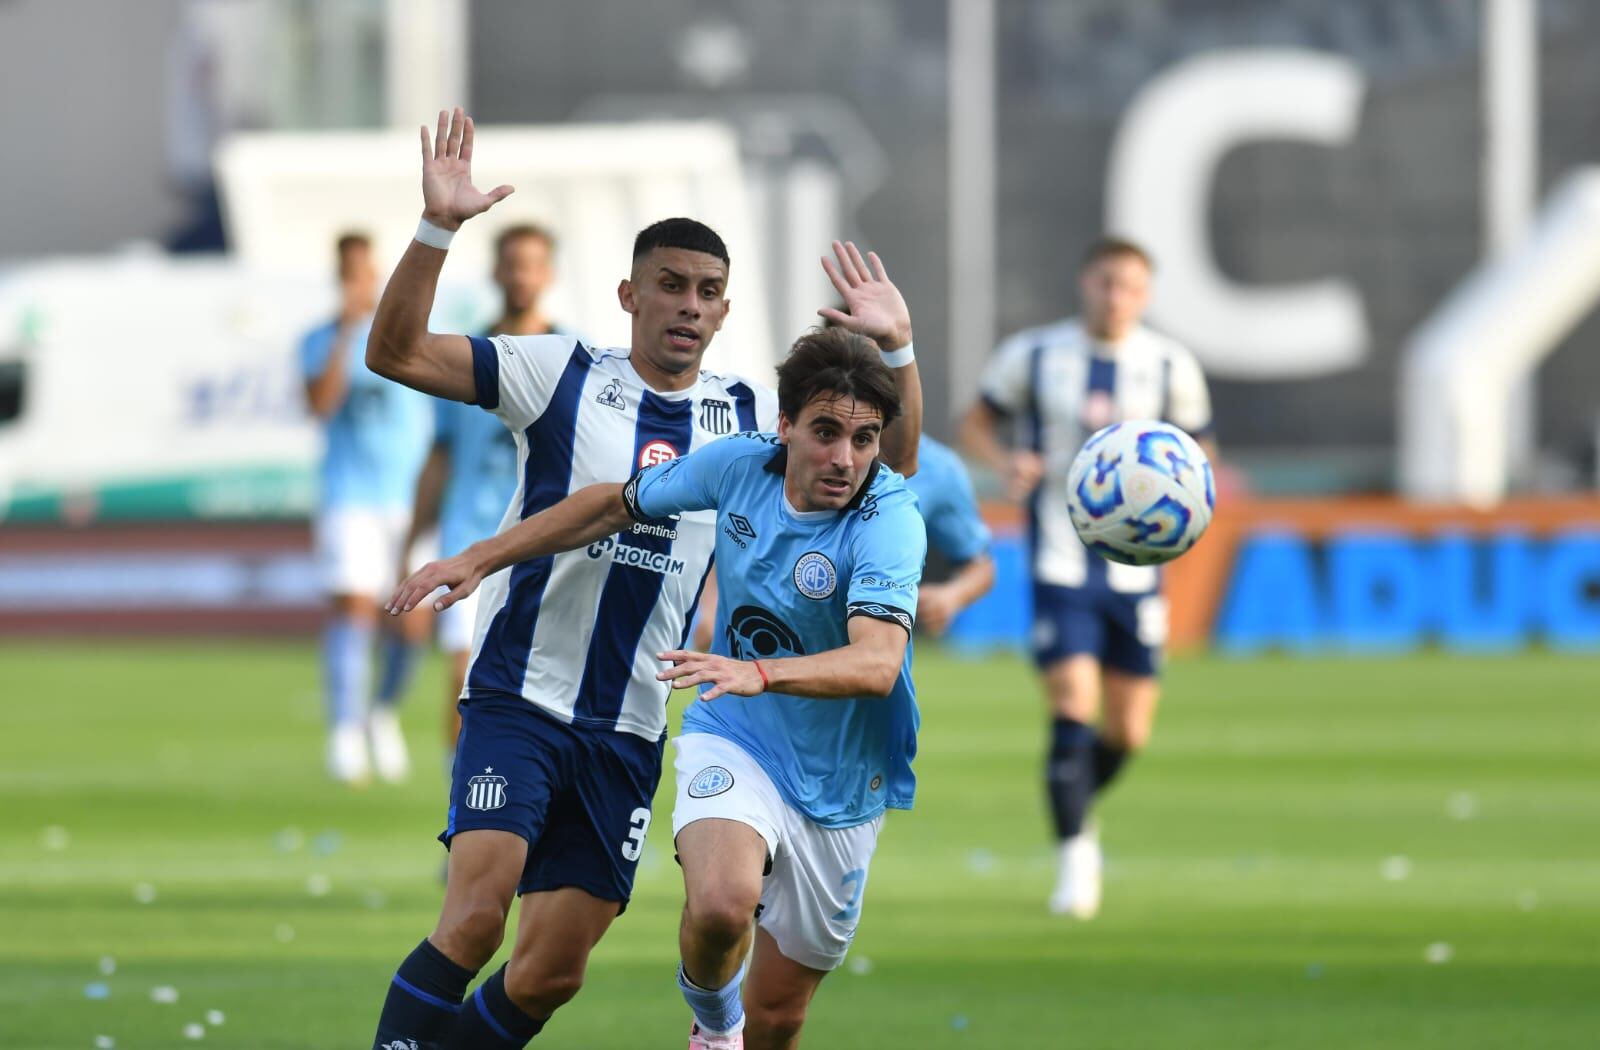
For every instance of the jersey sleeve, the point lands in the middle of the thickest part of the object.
(1004, 387)
(514, 376)
(692, 482)
(1188, 400)
(955, 527)
(887, 548)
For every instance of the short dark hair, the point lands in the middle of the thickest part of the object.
(351, 239)
(836, 361)
(518, 232)
(1109, 246)
(680, 233)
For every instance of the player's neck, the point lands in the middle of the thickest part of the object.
(660, 379)
(528, 322)
(1109, 339)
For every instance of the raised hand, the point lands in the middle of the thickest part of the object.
(461, 574)
(872, 304)
(448, 196)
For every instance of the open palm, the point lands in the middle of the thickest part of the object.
(448, 196)
(873, 306)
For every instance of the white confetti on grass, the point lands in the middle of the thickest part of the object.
(144, 893)
(104, 1042)
(214, 1018)
(1395, 869)
(55, 837)
(980, 862)
(1439, 952)
(319, 885)
(194, 1030)
(1463, 805)
(289, 840)
(108, 965)
(860, 965)
(163, 993)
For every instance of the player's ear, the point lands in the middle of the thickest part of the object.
(726, 305)
(783, 428)
(625, 296)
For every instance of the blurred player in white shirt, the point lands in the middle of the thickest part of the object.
(1098, 626)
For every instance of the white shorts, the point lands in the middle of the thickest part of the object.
(455, 624)
(811, 900)
(358, 550)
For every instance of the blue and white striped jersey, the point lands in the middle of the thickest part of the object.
(577, 633)
(1064, 384)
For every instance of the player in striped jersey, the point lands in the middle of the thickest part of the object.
(563, 719)
(1098, 626)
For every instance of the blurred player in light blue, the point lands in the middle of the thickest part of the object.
(807, 724)
(1098, 627)
(956, 532)
(376, 434)
(471, 473)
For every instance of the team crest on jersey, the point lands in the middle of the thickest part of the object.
(487, 791)
(712, 780)
(611, 396)
(716, 415)
(656, 451)
(814, 575)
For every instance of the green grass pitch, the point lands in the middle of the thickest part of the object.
(1298, 839)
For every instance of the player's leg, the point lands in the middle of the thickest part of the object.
(352, 573)
(401, 643)
(726, 833)
(578, 879)
(1137, 631)
(500, 796)
(777, 996)
(1069, 637)
(426, 992)
(556, 931)
(810, 910)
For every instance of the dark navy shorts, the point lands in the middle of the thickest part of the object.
(581, 797)
(1124, 632)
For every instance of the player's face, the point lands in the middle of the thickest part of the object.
(523, 272)
(676, 298)
(358, 280)
(1116, 289)
(831, 448)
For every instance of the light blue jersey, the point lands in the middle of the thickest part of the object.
(949, 506)
(788, 582)
(376, 442)
(483, 473)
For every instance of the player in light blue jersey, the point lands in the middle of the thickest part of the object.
(807, 724)
(1098, 627)
(376, 433)
(471, 473)
(955, 531)
(563, 717)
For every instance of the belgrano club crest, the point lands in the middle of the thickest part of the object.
(486, 792)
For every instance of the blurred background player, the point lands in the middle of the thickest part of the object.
(956, 532)
(1098, 627)
(470, 474)
(376, 434)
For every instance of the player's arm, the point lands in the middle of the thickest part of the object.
(938, 604)
(590, 514)
(875, 308)
(326, 387)
(430, 494)
(400, 347)
(868, 666)
(1019, 469)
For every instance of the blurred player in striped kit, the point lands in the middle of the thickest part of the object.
(376, 434)
(1098, 627)
(470, 475)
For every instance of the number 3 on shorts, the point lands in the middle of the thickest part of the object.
(639, 823)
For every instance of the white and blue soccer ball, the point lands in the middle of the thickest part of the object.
(1140, 492)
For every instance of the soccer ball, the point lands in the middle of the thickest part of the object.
(1140, 492)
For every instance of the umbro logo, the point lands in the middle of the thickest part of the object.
(611, 396)
(739, 530)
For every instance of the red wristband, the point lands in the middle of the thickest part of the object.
(763, 674)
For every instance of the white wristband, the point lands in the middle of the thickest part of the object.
(434, 236)
(899, 358)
